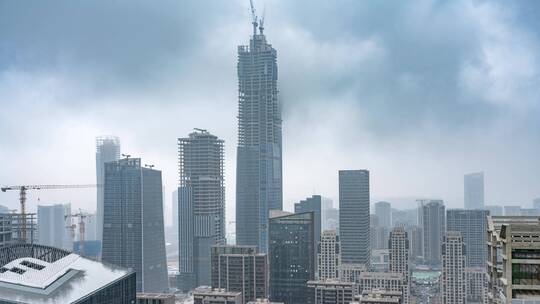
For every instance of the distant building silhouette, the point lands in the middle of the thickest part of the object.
(107, 150)
(431, 217)
(474, 190)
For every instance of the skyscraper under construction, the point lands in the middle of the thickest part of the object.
(258, 172)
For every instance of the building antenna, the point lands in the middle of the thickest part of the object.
(253, 17)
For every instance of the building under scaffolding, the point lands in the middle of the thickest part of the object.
(11, 227)
(259, 152)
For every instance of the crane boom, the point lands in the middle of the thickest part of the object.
(253, 17)
(22, 197)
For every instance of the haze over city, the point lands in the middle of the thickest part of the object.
(419, 93)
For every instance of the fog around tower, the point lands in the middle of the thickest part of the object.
(419, 93)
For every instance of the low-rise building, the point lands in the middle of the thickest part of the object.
(31, 273)
(388, 281)
(378, 296)
(155, 298)
(332, 291)
(209, 295)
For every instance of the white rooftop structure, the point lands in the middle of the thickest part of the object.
(42, 274)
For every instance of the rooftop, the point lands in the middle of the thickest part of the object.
(42, 274)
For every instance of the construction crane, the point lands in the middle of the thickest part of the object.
(22, 198)
(82, 216)
(253, 17)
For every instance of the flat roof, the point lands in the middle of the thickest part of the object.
(66, 280)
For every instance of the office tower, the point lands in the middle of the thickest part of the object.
(329, 256)
(331, 291)
(52, 226)
(354, 216)
(107, 150)
(31, 273)
(453, 283)
(513, 259)
(431, 220)
(240, 268)
(474, 190)
(386, 281)
(536, 203)
(476, 280)
(494, 210)
(133, 230)
(399, 252)
(201, 206)
(208, 295)
(383, 211)
(312, 204)
(291, 242)
(259, 164)
(472, 226)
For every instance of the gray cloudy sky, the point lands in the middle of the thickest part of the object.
(418, 92)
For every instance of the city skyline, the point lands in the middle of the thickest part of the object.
(70, 131)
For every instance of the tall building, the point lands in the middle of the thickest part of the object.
(354, 216)
(329, 215)
(31, 273)
(398, 245)
(312, 204)
(383, 211)
(52, 222)
(201, 206)
(513, 259)
(107, 150)
(476, 280)
(259, 153)
(329, 256)
(291, 242)
(472, 226)
(431, 220)
(474, 190)
(452, 280)
(240, 268)
(133, 228)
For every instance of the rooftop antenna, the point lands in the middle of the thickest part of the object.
(253, 17)
(261, 20)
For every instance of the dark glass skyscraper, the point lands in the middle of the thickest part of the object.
(354, 223)
(291, 243)
(201, 201)
(133, 231)
(258, 172)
